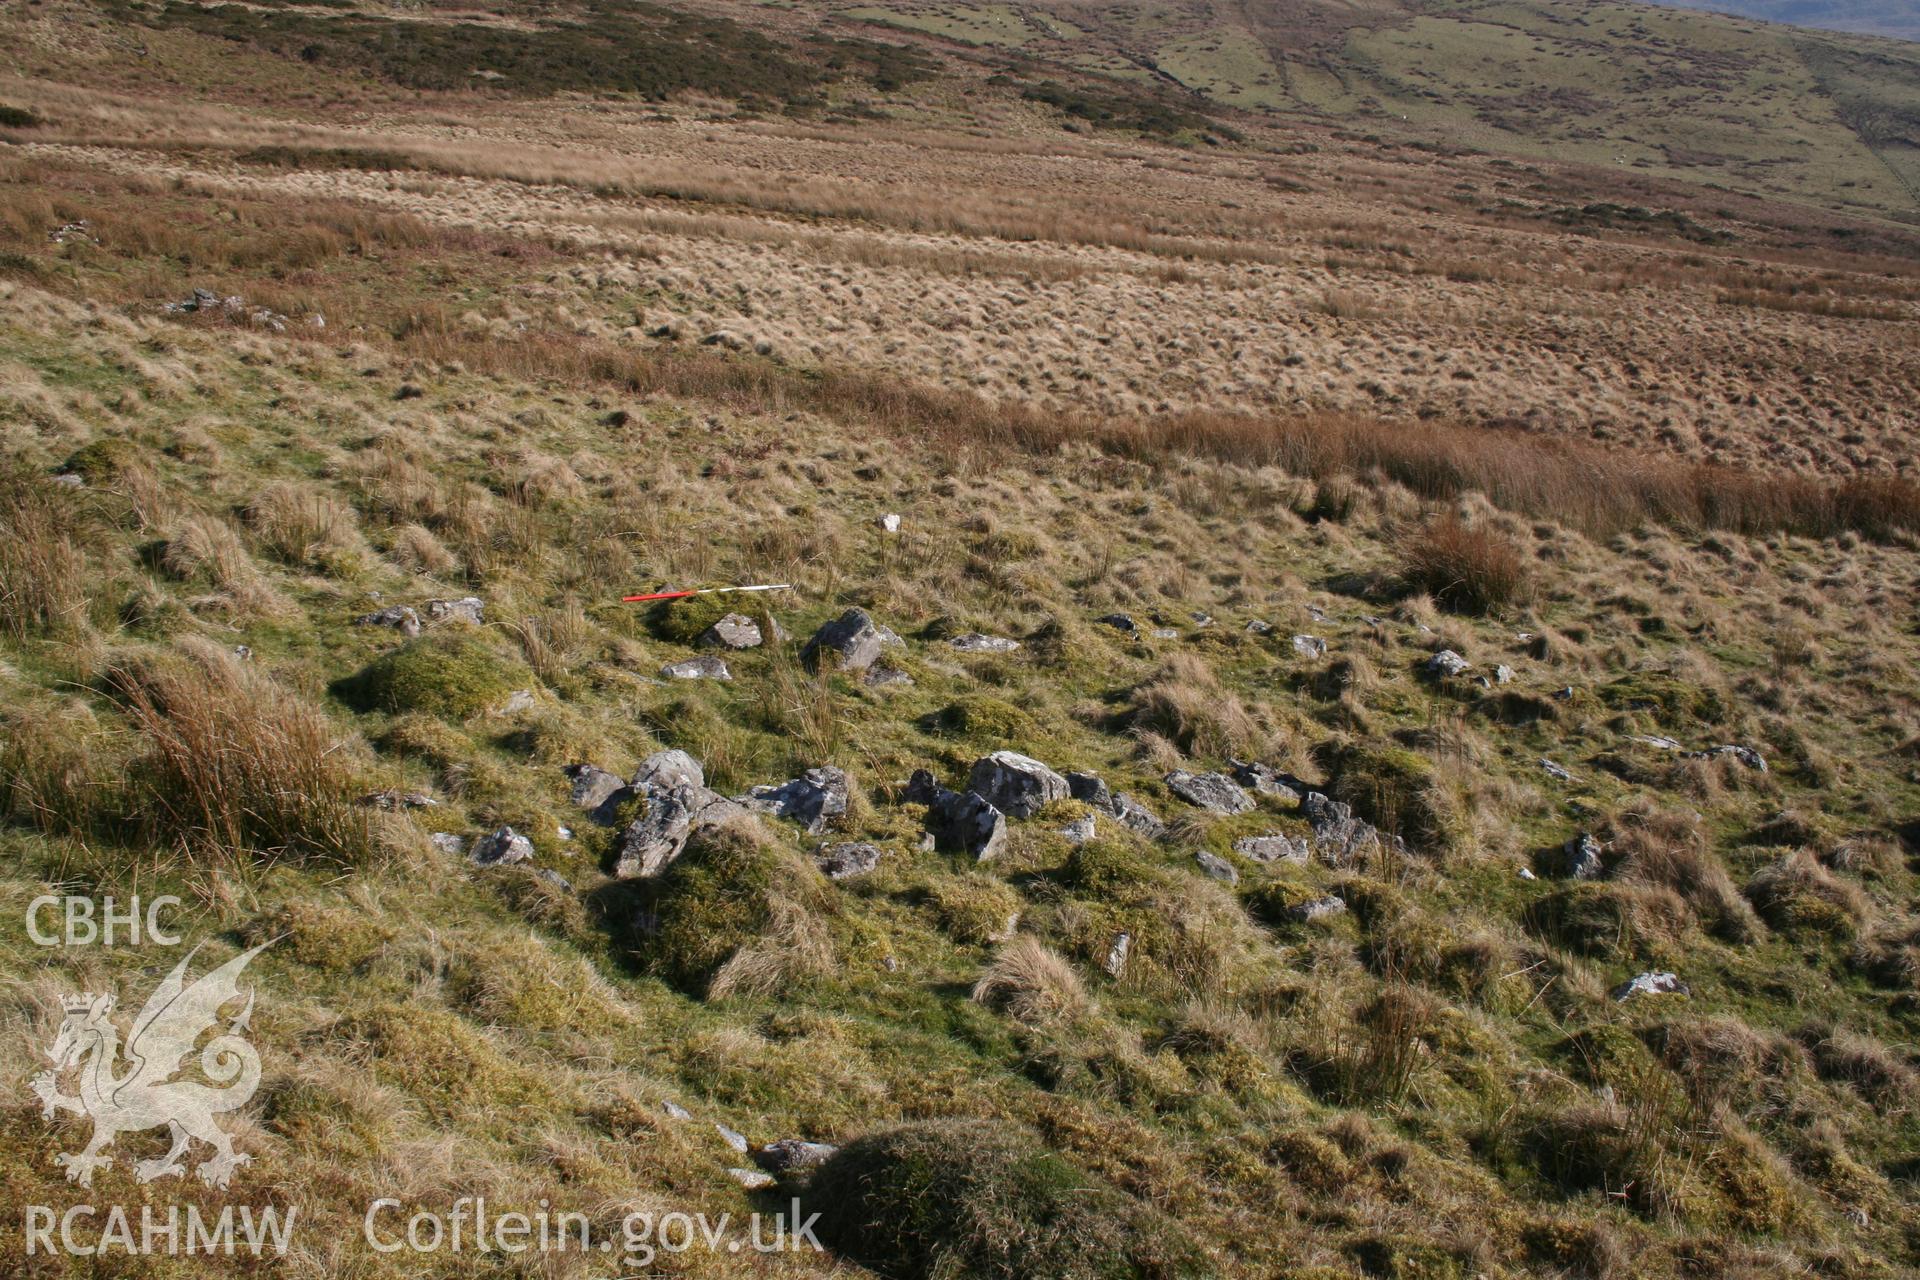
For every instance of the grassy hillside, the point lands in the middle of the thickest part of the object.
(340, 402)
(1670, 92)
(1896, 19)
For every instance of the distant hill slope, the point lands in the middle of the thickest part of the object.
(1665, 91)
(1899, 19)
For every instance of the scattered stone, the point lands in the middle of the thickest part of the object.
(1444, 664)
(974, 642)
(889, 523)
(1164, 633)
(501, 848)
(1202, 619)
(752, 1179)
(1080, 830)
(678, 804)
(1651, 984)
(1564, 694)
(1745, 755)
(1658, 741)
(70, 480)
(1117, 953)
(675, 1111)
(790, 1154)
(735, 1140)
(1214, 792)
(1217, 867)
(81, 230)
(554, 878)
(1315, 909)
(1580, 857)
(1503, 674)
(243, 652)
(1016, 785)
(735, 631)
(812, 799)
(1557, 771)
(390, 801)
(1315, 612)
(1310, 646)
(880, 677)
(565, 833)
(1260, 628)
(1525, 874)
(597, 791)
(704, 667)
(1090, 790)
(400, 617)
(447, 842)
(1266, 780)
(466, 609)
(1338, 837)
(852, 638)
(848, 859)
(958, 820)
(517, 701)
(1275, 848)
(1119, 622)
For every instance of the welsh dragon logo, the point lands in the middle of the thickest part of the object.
(142, 1092)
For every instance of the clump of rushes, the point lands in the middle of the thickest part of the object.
(1466, 568)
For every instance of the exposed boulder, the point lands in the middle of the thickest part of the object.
(735, 631)
(974, 642)
(704, 667)
(1310, 646)
(501, 847)
(1214, 792)
(1444, 664)
(752, 1179)
(1092, 791)
(1119, 622)
(400, 617)
(1315, 909)
(791, 1154)
(447, 842)
(812, 799)
(1580, 857)
(852, 638)
(678, 803)
(1217, 867)
(1338, 837)
(466, 609)
(1117, 952)
(1017, 785)
(848, 859)
(1080, 830)
(1744, 755)
(1266, 780)
(1651, 984)
(1260, 627)
(962, 821)
(1275, 848)
(1558, 772)
(598, 792)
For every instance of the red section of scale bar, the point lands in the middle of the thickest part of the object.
(659, 595)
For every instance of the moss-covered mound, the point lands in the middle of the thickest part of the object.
(452, 672)
(1399, 791)
(973, 1198)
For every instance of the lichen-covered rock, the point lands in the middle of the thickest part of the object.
(399, 617)
(1743, 755)
(735, 631)
(1216, 867)
(1267, 780)
(678, 803)
(1339, 838)
(501, 847)
(1080, 830)
(1651, 984)
(974, 642)
(466, 609)
(1016, 785)
(1445, 663)
(1275, 848)
(1214, 792)
(852, 640)
(790, 1154)
(704, 667)
(1310, 646)
(598, 792)
(813, 799)
(1580, 857)
(1316, 909)
(961, 821)
(848, 859)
